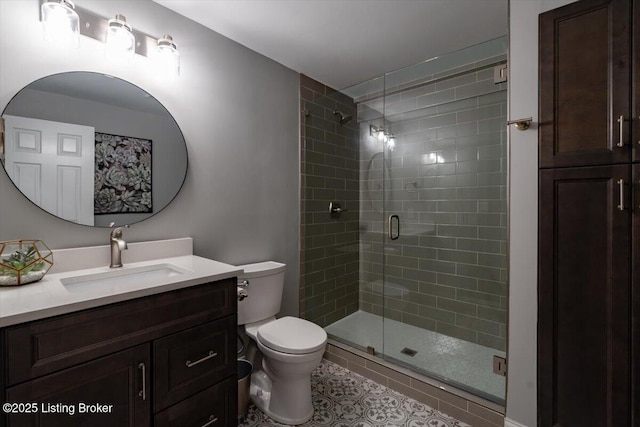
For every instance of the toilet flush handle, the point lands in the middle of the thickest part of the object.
(242, 289)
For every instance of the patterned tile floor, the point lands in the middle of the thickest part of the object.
(342, 398)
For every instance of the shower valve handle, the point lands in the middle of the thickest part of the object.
(334, 208)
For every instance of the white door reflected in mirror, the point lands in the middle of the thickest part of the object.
(52, 163)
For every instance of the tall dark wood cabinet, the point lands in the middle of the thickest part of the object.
(583, 291)
(589, 209)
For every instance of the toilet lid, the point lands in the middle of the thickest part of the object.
(292, 335)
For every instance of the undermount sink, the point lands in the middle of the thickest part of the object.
(122, 278)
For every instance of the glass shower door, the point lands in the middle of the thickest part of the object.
(444, 164)
(415, 270)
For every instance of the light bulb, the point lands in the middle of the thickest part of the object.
(60, 23)
(120, 41)
(167, 58)
(391, 143)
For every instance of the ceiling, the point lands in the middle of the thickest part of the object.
(100, 88)
(344, 42)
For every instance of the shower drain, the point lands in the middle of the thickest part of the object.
(408, 351)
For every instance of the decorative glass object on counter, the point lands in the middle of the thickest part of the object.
(23, 261)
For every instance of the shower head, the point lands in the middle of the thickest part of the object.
(343, 119)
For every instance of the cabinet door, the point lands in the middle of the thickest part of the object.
(116, 383)
(583, 297)
(585, 84)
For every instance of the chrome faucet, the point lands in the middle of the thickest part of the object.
(117, 246)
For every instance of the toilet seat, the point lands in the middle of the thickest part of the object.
(292, 335)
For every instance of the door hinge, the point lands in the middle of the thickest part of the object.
(500, 365)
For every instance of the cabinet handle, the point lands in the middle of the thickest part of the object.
(212, 420)
(191, 364)
(143, 393)
(621, 121)
(621, 187)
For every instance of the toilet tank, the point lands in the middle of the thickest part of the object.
(266, 281)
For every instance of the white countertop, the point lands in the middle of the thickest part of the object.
(50, 297)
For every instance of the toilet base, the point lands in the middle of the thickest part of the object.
(297, 401)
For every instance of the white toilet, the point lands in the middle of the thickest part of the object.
(291, 348)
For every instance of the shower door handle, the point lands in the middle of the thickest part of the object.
(392, 235)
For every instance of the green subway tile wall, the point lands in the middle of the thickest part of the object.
(329, 166)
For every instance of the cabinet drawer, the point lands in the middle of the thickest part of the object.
(192, 360)
(45, 346)
(111, 387)
(213, 407)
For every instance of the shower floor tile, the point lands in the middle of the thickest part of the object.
(342, 398)
(466, 365)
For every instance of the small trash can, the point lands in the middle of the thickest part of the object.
(244, 381)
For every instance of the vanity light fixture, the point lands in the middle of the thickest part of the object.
(63, 23)
(382, 136)
(167, 57)
(391, 143)
(60, 23)
(378, 133)
(119, 38)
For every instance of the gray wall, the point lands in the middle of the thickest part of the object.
(523, 210)
(238, 111)
(330, 243)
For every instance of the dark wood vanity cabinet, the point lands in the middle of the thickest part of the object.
(167, 359)
(589, 215)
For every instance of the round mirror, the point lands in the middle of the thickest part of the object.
(93, 149)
